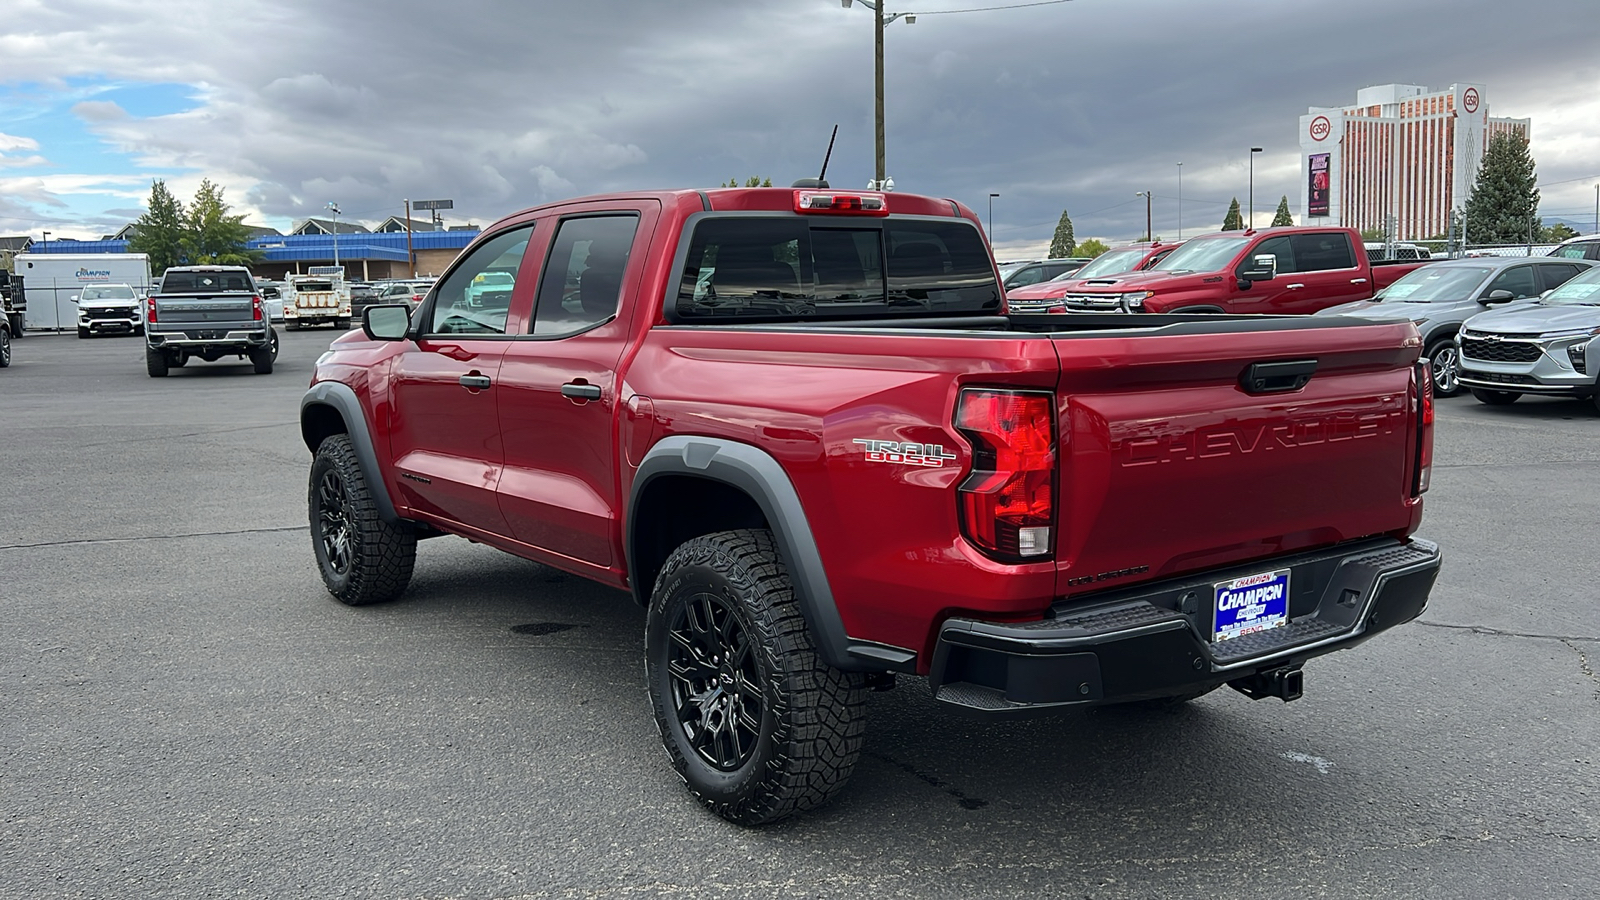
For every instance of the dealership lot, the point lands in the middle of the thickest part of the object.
(186, 712)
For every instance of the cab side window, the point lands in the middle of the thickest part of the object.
(1319, 252)
(1278, 247)
(475, 298)
(1518, 280)
(582, 281)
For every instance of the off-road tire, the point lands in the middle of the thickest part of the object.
(1442, 356)
(812, 717)
(262, 358)
(272, 341)
(155, 362)
(5, 346)
(83, 333)
(1495, 398)
(374, 557)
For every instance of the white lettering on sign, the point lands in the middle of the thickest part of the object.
(907, 453)
(1251, 597)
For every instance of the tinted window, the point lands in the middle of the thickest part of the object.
(582, 280)
(1518, 280)
(463, 305)
(742, 268)
(1278, 247)
(1317, 252)
(1556, 274)
(1112, 262)
(204, 282)
(114, 292)
(1026, 276)
(1573, 251)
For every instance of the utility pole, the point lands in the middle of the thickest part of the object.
(1180, 200)
(334, 208)
(991, 219)
(410, 254)
(877, 72)
(1149, 235)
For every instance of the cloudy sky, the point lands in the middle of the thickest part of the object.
(289, 104)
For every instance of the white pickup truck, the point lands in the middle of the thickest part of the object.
(316, 300)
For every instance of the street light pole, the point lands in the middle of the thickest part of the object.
(1597, 209)
(335, 208)
(1149, 234)
(991, 218)
(1251, 222)
(1180, 201)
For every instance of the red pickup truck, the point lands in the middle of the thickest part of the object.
(1271, 270)
(797, 426)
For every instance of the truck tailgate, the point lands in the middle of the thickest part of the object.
(1170, 464)
(183, 309)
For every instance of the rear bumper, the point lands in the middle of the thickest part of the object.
(1151, 641)
(209, 337)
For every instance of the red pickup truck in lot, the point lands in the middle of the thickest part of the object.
(797, 425)
(1271, 270)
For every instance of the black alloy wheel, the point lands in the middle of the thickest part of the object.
(5, 346)
(1445, 361)
(714, 680)
(333, 517)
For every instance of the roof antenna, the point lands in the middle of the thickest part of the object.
(821, 181)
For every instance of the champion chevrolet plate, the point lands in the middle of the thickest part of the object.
(1250, 604)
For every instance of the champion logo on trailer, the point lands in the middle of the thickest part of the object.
(94, 275)
(1321, 128)
(1469, 100)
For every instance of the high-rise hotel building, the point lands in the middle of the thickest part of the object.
(1400, 150)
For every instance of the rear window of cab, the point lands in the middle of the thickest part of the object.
(794, 268)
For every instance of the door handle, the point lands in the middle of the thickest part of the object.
(578, 390)
(475, 382)
(1294, 287)
(1358, 281)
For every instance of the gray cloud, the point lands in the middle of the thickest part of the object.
(501, 105)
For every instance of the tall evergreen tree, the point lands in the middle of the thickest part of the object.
(1504, 203)
(213, 237)
(1282, 217)
(1063, 243)
(160, 231)
(1234, 220)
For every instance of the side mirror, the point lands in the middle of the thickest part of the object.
(74, 298)
(1262, 268)
(1497, 297)
(386, 323)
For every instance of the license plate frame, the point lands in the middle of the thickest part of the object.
(1251, 604)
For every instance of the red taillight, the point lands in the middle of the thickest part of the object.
(1008, 502)
(255, 303)
(850, 203)
(1424, 429)
(150, 309)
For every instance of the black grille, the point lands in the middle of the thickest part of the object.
(1500, 378)
(1499, 351)
(123, 314)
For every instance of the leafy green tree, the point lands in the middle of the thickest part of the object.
(1091, 248)
(1373, 234)
(1282, 216)
(1557, 233)
(160, 231)
(752, 181)
(213, 237)
(1234, 220)
(1504, 202)
(1063, 244)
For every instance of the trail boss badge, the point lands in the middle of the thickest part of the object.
(908, 453)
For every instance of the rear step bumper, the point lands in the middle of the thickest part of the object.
(1151, 641)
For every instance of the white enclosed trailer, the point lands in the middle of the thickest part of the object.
(53, 279)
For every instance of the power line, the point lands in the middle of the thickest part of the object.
(946, 12)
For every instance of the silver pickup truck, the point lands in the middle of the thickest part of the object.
(207, 312)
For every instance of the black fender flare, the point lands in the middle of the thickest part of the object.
(754, 472)
(342, 400)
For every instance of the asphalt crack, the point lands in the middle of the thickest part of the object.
(151, 537)
(1498, 632)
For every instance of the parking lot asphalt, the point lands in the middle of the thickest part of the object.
(185, 711)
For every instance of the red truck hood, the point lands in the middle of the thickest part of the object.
(1045, 290)
(1145, 281)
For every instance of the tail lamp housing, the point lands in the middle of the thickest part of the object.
(256, 310)
(150, 309)
(1008, 501)
(1424, 429)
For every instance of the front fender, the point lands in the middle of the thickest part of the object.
(339, 399)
